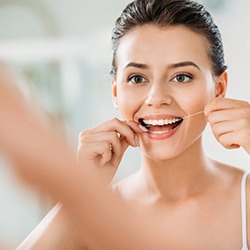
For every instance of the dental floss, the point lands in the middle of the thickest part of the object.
(184, 117)
(146, 130)
(197, 113)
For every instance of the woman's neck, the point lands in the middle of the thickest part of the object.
(177, 178)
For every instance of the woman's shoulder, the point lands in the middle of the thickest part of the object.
(234, 173)
(235, 177)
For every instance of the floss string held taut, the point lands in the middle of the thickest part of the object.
(183, 117)
(197, 113)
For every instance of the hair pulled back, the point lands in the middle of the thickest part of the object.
(163, 13)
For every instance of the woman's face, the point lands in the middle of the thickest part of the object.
(164, 74)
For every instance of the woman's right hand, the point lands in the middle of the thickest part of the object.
(105, 144)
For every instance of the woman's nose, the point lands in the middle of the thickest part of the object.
(158, 96)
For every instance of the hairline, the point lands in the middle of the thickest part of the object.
(162, 26)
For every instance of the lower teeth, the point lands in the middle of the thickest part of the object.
(154, 132)
(160, 132)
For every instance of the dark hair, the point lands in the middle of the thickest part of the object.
(164, 13)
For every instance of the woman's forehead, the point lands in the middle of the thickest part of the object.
(171, 44)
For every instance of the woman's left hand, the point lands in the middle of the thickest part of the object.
(230, 122)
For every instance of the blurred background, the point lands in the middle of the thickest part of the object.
(60, 51)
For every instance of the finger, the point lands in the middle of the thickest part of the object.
(114, 125)
(222, 128)
(230, 140)
(124, 146)
(107, 139)
(110, 137)
(232, 134)
(220, 103)
(108, 155)
(116, 150)
(236, 114)
(100, 151)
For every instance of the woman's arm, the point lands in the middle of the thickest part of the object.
(44, 162)
(55, 231)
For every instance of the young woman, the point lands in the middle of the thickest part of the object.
(169, 81)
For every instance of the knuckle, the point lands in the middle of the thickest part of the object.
(114, 136)
(244, 112)
(107, 147)
(246, 104)
(216, 101)
(104, 145)
(245, 135)
(212, 119)
(244, 119)
(215, 129)
(244, 123)
(82, 148)
(221, 140)
(84, 133)
(82, 138)
(115, 120)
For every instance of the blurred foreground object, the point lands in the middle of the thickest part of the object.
(46, 163)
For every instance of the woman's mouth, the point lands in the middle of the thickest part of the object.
(159, 126)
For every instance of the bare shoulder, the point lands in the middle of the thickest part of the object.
(232, 174)
(236, 175)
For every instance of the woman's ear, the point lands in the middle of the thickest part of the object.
(114, 94)
(221, 85)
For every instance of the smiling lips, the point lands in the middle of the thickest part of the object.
(159, 126)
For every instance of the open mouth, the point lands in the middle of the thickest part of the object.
(159, 126)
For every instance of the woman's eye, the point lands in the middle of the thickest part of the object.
(182, 78)
(137, 79)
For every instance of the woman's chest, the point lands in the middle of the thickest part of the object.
(200, 225)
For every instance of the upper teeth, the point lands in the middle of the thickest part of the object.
(161, 122)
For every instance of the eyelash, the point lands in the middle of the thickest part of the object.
(174, 79)
(182, 75)
(131, 78)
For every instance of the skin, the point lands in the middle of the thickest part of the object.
(52, 168)
(176, 179)
(177, 183)
(229, 120)
(161, 94)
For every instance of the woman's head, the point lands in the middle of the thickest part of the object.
(168, 55)
(164, 13)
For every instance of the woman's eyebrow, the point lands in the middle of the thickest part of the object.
(137, 65)
(183, 64)
(171, 66)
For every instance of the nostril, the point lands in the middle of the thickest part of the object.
(158, 100)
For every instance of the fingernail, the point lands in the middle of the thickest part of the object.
(143, 128)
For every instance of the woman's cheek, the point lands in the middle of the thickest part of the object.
(195, 101)
(128, 104)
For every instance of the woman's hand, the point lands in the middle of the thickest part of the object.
(105, 144)
(230, 122)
